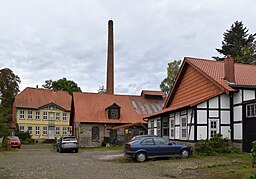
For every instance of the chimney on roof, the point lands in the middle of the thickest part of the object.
(110, 59)
(229, 69)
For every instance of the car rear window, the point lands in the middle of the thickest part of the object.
(13, 138)
(69, 139)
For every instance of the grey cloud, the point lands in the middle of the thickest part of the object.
(48, 39)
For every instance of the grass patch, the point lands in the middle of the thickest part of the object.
(111, 148)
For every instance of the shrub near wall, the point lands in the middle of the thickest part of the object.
(217, 144)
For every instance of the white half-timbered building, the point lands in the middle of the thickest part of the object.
(209, 97)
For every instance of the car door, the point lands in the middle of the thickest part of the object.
(148, 145)
(161, 146)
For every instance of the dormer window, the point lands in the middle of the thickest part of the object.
(113, 111)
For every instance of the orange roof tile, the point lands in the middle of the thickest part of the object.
(35, 98)
(200, 79)
(244, 74)
(90, 107)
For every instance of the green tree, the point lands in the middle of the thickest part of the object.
(172, 71)
(9, 88)
(101, 90)
(239, 44)
(62, 84)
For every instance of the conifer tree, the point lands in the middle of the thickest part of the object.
(239, 44)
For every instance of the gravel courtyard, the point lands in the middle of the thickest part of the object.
(41, 161)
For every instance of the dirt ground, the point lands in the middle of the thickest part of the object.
(42, 161)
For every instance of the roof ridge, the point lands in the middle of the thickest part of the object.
(212, 60)
(92, 93)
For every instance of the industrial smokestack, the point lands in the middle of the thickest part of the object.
(110, 59)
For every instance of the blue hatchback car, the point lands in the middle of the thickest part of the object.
(144, 147)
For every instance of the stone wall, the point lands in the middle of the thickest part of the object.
(85, 134)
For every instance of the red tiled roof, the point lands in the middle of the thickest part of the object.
(200, 79)
(35, 98)
(90, 107)
(245, 75)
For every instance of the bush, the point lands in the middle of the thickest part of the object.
(215, 145)
(203, 148)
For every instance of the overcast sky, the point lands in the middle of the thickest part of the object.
(52, 39)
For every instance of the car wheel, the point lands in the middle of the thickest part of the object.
(141, 157)
(76, 150)
(184, 153)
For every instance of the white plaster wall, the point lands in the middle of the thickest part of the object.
(177, 132)
(225, 117)
(155, 131)
(238, 131)
(249, 95)
(214, 103)
(224, 101)
(191, 137)
(237, 97)
(149, 123)
(201, 132)
(201, 116)
(155, 122)
(225, 131)
(177, 118)
(238, 113)
(213, 113)
(202, 105)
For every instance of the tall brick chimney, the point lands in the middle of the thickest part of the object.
(110, 59)
(229, 69)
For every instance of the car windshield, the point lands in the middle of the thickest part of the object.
(13, 138)
(69, 139)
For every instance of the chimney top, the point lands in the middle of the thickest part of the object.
(229, 69)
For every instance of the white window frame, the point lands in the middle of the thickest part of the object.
(45, 115)
(172, 127)
(37, 131)
(21, 128)
(183, 127)
(37, 115)
(57, 116)
(64, 116)
(30, 131)
(215, 129)
(45, 130)
(30, 115)
(251, 110)
(57, 130)
(22, 114)
(64, 130)
(151, 123)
